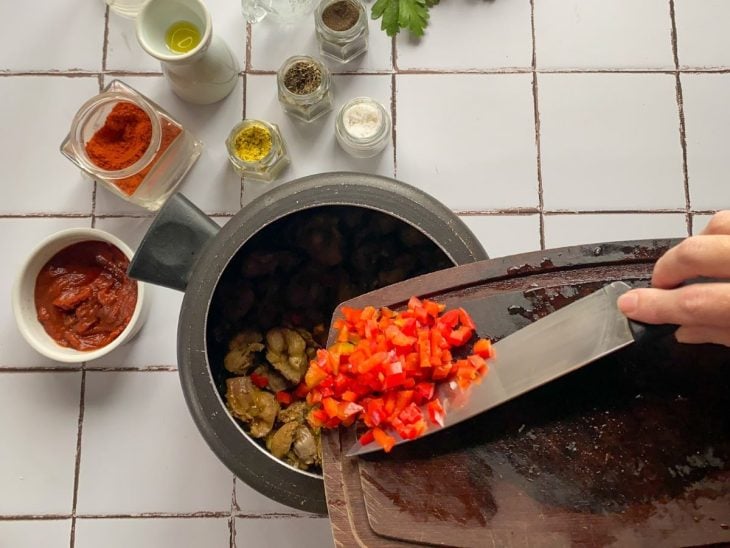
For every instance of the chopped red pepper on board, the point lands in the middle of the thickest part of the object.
(384, 368)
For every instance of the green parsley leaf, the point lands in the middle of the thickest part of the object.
(403, 14)
(388, 10)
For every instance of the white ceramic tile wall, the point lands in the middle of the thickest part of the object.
(38, 453)
(699, 222)
(610, 141)
(32, 534)
(563, 230)
(490, 35)
(607, 142)
(596, 34)
(471, 132)
(49, 182)
(702, 37)
(283, 533)
(152, 533)
(139, 442)
(707, 109)
(65, 35)
(503, 235)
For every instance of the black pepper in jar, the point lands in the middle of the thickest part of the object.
(340, 16)
(303, 78)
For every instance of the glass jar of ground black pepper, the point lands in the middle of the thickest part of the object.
(342, 29)
(130, 145)
(257, 150)
(304, 85)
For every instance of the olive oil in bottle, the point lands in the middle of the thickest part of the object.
(182, 37)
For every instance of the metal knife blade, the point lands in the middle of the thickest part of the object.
(551, 347)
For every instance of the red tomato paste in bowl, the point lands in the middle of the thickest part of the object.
(83, 296)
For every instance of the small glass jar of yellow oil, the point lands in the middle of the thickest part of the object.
(257, 150)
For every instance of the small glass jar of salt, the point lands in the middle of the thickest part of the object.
(363, 127)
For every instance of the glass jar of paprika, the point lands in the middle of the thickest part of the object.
(131, 145)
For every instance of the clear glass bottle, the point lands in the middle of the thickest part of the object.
(154, 176)
(363, 141)
(342, 45)
(267, 168)
(308, 106)
(283, 12)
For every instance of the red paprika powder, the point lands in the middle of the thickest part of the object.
(123, 140)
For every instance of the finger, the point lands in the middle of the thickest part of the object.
(703, 334)
(719, 224)
(700, 304)
(706, 255)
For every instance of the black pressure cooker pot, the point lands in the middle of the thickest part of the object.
(185, 250)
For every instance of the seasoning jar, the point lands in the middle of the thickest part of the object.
(363, 127)
(342, 29)
(304, 85)
(130, 145)
(257, 150)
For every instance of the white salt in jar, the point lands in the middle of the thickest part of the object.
(363, 127)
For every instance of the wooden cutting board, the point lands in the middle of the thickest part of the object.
(631, 450)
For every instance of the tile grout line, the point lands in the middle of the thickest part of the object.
(232, 518)
(507, 71)
(682, 126)
(393, 100)
(104, 50)
(89, 368)
(464, 212)
(203, 514)
(246, 72)
(538, 148)
(77, 463)
(249, 36)
(243, 117)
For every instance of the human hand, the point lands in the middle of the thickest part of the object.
(701, 310)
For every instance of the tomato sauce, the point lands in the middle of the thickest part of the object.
(83, 296)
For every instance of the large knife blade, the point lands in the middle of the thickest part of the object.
(547, 349)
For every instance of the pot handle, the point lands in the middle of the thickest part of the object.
(172, 245)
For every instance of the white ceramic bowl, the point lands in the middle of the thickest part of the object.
(24, 299)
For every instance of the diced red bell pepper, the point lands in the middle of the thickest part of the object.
(424, 392)
(315, 375)
(460, 335)
(424, 348)
(483, 348)
(384, 440)
(259, 380)
(466, 320)
(436, 412)
(397, 337)
(284, 397)
(348, 409)
(367, 437)
(331, 407)
(384, 368)
(412, 413)
(349, 395)
(433, 308)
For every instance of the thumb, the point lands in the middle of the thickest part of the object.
(628, 303)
